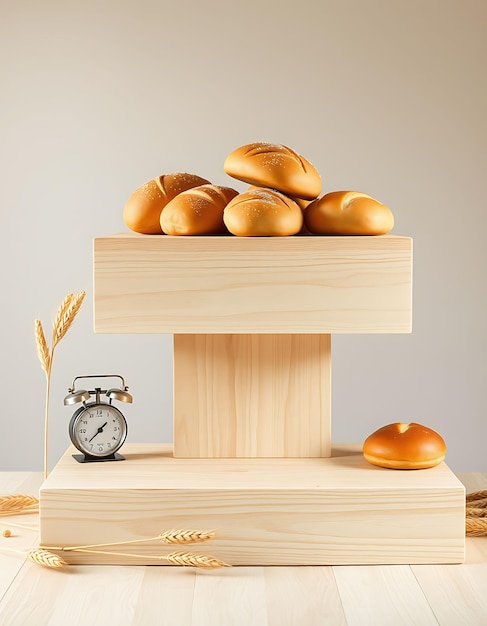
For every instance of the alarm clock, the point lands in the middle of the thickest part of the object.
(97, 429)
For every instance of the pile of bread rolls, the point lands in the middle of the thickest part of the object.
(283, 199)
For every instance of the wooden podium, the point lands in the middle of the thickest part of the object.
(252, 320)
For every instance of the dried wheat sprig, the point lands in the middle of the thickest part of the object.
(170, 536)
(42, 348)
(195, 560)
(18, 502)
(186, 536)
(175, 558)
(64, 318)
(67, 313)
(45, 558)
(39, 556)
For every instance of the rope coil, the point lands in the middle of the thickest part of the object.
(476, 514)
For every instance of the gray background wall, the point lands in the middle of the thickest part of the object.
(386, 97)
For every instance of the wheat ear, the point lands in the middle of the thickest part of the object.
(195, 560)
(18, 503)
(66, 315)
(42, 348)
(62, 310)
(45, 558)
(186, 536)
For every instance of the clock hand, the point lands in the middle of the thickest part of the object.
(100, 430)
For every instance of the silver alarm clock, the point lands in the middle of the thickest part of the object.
(98, 429)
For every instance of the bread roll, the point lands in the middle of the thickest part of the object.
(302, 204)
(276, 167)
(197, 211)
(404, 446)
(142, 212)
(263, 213)
(348, 213)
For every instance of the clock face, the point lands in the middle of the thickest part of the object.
(98, 429)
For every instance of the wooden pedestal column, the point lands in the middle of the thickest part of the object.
(252, 395)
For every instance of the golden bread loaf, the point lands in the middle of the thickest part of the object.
(276, 167)
(404, 446)
(263, 213)
(348, 213)
(143, 209)
(197, 211)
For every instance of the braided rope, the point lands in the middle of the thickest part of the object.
(476, 514)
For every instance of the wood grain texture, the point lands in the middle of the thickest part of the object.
(383, 595)
(252, 396)
(301, 284)
(336, 510)
(308, 596)
(78, 596)
(239, 594)
(302, 595)
(27, 483)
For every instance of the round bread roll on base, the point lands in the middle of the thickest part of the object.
(348, 213)
(404, 446)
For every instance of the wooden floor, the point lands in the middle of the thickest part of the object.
(393, 595)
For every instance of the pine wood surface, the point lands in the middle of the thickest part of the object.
(301, 284)
(263, 596)
(252, 395)
(304, 511)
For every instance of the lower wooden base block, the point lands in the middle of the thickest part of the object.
(309, 511)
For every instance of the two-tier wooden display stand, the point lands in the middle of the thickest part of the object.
(252, 320)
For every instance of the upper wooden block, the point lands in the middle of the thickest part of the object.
(226, 284)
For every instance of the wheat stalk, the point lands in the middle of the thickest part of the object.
(18, 503)
(175, 558)
(62, 322)
(45, 558)
(170, 536)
